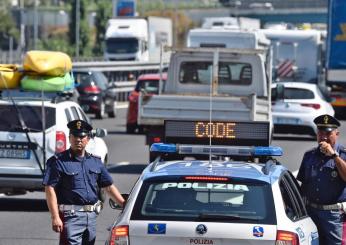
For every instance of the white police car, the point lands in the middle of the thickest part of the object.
(237, 195)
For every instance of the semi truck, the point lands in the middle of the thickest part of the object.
(210, 84)
(336, 59)
(227, 38)
(137, 39)
(297, 55)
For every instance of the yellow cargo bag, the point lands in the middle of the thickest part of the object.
(50, 63)
(9, 76)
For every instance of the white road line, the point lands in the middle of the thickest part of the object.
(122, 105)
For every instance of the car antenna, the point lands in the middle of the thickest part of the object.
(212, 92)
(161, 60)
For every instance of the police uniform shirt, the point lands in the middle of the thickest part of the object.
(76, 180)
(321, 182)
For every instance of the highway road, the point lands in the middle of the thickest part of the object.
(25, 219)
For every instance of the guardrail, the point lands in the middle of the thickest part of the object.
(123, 89)
(118, 72)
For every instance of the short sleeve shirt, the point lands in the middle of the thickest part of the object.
(76, 180)
(321, 181)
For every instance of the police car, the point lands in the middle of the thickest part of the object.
(217, 194)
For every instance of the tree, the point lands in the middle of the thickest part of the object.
(7, 30)
(84, 29)
(103, 13)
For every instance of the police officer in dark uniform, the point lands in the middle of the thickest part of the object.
(323, 175)
(72, 181)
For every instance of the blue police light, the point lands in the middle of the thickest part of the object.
(162, 147)
(268, 151)
(217, 150)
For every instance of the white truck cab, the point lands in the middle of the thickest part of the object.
(227, 38)
(127, 39)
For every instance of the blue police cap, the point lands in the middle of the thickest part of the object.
(326, 123)
(79, 127)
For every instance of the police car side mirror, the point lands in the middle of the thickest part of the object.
(99, 132)
(115, 205)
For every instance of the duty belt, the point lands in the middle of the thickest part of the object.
(81, 208)
(336, 206)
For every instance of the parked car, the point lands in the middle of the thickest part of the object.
(96, 94)
(25, 146)
(295, 105)
(149, 84)
(214, 201)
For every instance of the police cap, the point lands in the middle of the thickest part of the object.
(326, 123)
(79, 128)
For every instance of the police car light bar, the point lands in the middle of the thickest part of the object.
(217, 150)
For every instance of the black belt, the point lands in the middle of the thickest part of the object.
(336, 206)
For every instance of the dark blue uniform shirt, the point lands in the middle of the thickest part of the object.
(321, 182)
(76, 180)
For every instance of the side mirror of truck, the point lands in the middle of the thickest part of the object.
(280, 91)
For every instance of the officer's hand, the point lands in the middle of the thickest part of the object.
(326, 148)
(57, 224)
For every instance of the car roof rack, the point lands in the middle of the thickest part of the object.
(54, 97)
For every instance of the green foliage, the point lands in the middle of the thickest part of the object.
(84, 29)
(57, 42)
(7, 30)
(103, 13)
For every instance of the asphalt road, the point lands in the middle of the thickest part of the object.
(25, 219)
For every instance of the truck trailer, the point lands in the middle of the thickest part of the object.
(336, 59)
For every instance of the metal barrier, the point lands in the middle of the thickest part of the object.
(119, 72)
(123, 89)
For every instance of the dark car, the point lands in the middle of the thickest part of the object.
(149, 84)
(96, 95)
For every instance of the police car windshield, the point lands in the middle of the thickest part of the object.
(180, 200)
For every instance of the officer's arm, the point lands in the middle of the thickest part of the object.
(114, 193)
(52, 203)
(341, 165)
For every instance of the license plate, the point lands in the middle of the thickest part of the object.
(279, 120)
(14, 153)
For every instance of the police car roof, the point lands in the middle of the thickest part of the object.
(239, 169)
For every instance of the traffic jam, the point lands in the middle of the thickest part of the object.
(207, 123)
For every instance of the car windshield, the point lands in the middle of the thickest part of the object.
(230, 73)
(294, 93)
(86, 79)
(122, 45)
(149, 86)
(236, 201)
(31, 116)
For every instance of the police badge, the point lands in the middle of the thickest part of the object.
(334, 173)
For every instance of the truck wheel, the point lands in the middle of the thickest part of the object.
(101, 113)
(140, 130)
(111, 114)
(130, 128)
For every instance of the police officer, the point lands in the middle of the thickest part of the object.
(323, 175)
(72, 181)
